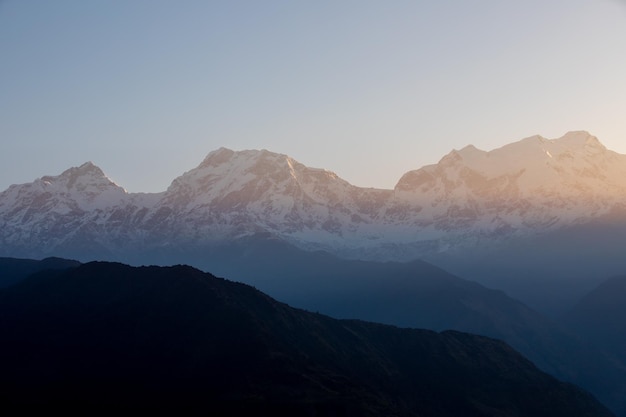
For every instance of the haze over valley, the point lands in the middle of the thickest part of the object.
(507, 217)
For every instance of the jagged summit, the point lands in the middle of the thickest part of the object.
(534, 163)
(81, 178)
(578, 142)
(530, 185)
(258, 190)
(224, 155)
(84, 187)
(250, 172)
(256, 161)
(52, 210)
(87, 167)
(579, 138)
(531, 147)
(217, 157)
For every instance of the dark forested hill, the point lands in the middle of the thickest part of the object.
(109, 336)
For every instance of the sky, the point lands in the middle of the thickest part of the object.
(367, 89)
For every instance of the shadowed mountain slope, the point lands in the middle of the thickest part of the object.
(600, 317)
(13, 270)
(419, 295)
(110, 336)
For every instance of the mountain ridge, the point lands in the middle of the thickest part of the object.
(112, 336)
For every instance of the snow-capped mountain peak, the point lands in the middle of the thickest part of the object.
(245, 176)
(86, 178)
(250, 191)
(535, 182)
(578, 139)
(85, 187)
(536, 165)
(56, 211)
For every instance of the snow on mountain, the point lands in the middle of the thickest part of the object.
(530, 184)
(76, 189)
(523, 188)
(82, 206)
(241, 193)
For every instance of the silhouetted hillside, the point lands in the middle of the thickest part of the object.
(108, 336)
(13, 270)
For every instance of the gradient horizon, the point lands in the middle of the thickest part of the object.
(368, 90)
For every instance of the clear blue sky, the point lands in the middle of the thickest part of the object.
(368, 89)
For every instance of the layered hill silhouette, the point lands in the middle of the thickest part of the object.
(419, 295)
(600, 317)
(106, 336)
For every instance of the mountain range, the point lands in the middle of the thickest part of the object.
(510, 218)
(528, 187)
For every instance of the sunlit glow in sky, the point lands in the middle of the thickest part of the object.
(367, 89)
